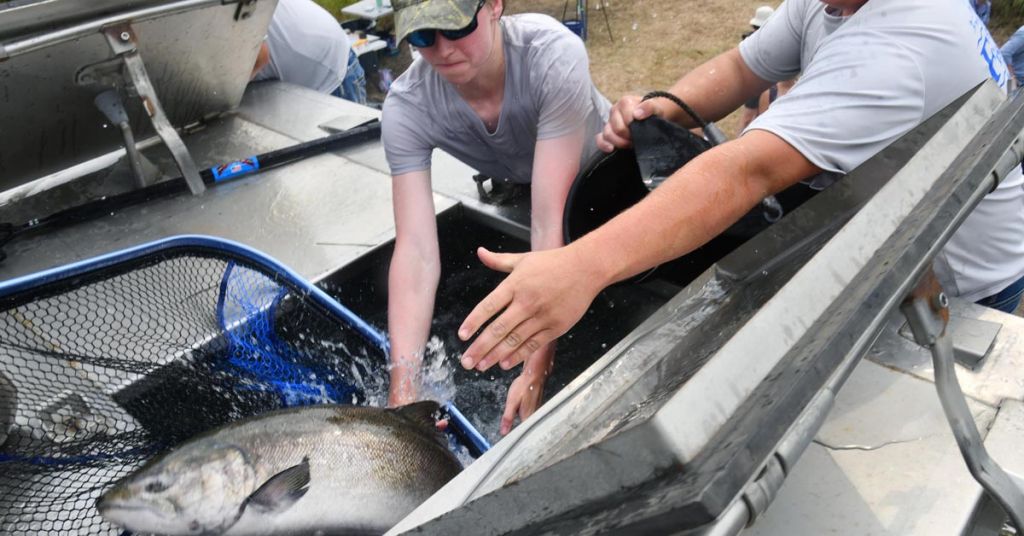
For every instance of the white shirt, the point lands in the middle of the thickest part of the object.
(867, 79)
(307, 46)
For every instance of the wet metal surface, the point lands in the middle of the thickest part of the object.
(314, 215)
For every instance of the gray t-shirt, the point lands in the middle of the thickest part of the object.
(307, 47)
(548, 94)
(867, 79)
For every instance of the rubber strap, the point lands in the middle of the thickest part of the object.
(665, 94)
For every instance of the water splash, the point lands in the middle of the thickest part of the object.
(437, 381)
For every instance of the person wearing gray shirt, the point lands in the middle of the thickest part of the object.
(305, 46)
(509, 96)
(870, 71)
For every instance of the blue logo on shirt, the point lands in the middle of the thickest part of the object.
(990, 53)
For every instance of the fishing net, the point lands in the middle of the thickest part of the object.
(104, 364)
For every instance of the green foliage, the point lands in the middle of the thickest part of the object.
(1007, 16)
(334, 6)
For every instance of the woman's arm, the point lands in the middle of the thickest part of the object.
(412, 281)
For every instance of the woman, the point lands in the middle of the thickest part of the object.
(508, 96)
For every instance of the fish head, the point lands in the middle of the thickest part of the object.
(189, 491)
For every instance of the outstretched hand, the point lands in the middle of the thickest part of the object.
(545, 293)
(616, 132)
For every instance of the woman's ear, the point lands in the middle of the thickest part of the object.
(497, 8)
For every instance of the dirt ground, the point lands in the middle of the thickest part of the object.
(652, 42)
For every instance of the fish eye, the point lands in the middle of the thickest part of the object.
(156, 487)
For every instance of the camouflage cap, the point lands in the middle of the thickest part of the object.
(412, 15)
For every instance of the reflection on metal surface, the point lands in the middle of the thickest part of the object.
(865, 448)
(197, 56)
(40, 41)
(121, 40)
(109, 102)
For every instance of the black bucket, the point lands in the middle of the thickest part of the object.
(611, 183)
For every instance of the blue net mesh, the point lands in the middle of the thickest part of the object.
(246, 310)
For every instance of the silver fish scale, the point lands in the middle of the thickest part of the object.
(368, 467)
(385, 455)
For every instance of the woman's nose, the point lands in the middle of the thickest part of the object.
(444, 46)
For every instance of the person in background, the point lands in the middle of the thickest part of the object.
(757, 105)
(983, 8)
(1013, 54)
(306, 46)
(870, 71)
(509, 96)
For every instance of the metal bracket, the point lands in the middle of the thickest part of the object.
(973, 339)
(1011, 159)
(760, 493)
(121, 39)
(107, 73)
(245, 9)
(927, 312)
(109, 102)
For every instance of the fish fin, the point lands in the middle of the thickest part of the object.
(423, 412)
(282, 490)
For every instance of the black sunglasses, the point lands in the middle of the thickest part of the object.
(427, 37)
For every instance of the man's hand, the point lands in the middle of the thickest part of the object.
(527, 391)
(616, 131)
(544, 295)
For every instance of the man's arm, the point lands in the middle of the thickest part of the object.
(548, 291)
(412, 282)
(713, 89)
(1013, 47)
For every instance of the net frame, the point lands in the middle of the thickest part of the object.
(106, 362)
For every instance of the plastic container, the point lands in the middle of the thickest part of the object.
(611, 183)
(576, 26)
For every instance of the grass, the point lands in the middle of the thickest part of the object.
(654, 42)
(1007, 16)
(334, 7)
